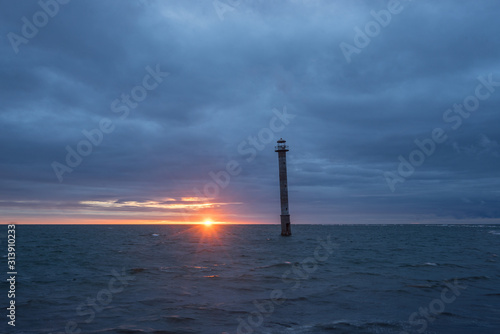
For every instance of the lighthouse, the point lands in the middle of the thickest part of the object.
(282, 148)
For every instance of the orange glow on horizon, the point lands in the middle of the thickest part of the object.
(70, 221)
(162, 211)
(208, 218)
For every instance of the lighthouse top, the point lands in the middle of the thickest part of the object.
(281, 147)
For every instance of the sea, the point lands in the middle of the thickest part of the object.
(228, 279)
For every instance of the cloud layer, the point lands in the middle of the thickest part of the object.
(236, 69)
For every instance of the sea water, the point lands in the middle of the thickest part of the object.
(249, 279)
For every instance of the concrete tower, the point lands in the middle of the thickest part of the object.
(282, 148)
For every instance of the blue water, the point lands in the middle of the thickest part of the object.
(248, 279)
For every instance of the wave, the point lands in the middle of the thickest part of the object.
(350, 326)
(204, 250)
(137, 270)
(425, 264)
(121, 330)
(420, 286)
(473, 278)
(285, 264)
(178, 318)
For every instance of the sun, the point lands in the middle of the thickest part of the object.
(208, 223)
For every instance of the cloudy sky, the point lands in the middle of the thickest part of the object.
(168, 111)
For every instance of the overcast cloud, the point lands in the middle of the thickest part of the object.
(240, 69)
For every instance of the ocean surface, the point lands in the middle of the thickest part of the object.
(248, 279)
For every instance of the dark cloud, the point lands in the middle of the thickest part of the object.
(231, 70)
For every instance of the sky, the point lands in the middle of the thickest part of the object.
(168, 111)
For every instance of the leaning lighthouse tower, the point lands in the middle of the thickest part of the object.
(282, 148)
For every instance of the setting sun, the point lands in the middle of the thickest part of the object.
(207, 223)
